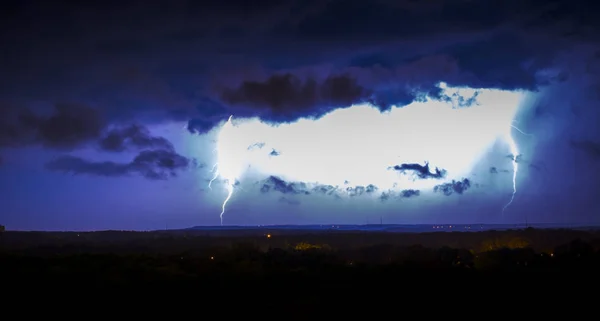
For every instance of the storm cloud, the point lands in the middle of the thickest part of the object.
(311, 57)
(151, 164)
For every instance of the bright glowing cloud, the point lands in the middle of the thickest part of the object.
(361, 146)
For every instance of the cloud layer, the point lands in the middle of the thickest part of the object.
(287, 60)
(67, 127)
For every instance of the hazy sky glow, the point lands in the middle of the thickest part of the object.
(113, 114)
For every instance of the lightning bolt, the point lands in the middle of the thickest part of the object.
(520, 131)
(229, 185)
(229, 182)
(514, 150)
(229, 193)
(215, 169)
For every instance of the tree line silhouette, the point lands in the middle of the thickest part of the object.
(296, 270)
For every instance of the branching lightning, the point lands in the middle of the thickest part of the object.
(215, 170)
(228, 185)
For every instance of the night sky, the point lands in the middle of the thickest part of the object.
(118, 114)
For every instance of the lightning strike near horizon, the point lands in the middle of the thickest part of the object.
(514, 150)
(215, 169)
(225, 153)
(229, 194)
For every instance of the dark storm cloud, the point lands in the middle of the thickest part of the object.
(151, 164)
(276, 184)
(485, 47)
(385, 196)
(286, 97)
(70, 126)
(348, 21)
(371, 188)
(422, 171)
(325, 190)
(273, 183)
(133, 136)
(458, 101)
(355, 191)
(209, 112)
(280, 59)
(337, 191)
(410, 193)
(458, 187)
(201, 126)
(590, 148)
(504, 61)
(497, 62)
(360, 190)
(391, 195)
(65, 127)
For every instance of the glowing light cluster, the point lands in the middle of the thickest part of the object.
(360, 144)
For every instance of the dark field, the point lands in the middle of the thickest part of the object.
(300, 270)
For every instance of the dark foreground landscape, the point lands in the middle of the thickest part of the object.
(304, 270)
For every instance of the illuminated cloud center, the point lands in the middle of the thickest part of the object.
(360, 145)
